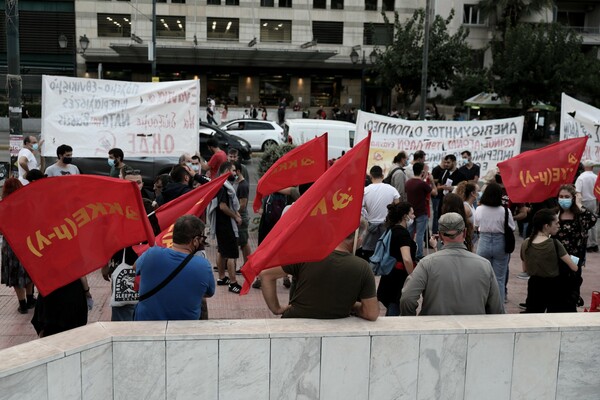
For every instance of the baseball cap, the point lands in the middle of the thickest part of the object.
(588, 163)
(451, 222)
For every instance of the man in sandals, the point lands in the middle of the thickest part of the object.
(181, 297)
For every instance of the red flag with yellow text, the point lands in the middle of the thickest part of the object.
(597, 188)
(304, 164)
(536, 175)
(169, 212)
(202, 198)
(319, 220)
(66, 227)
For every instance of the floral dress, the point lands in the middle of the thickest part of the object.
(13, 274)
(573, 233)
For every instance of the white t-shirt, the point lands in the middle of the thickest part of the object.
(376, 199)
(55, 170)
(585, 185)
(31, 164)
(491, 219)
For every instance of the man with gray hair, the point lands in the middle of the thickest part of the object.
(453, 281)
(336, 287)
(174, 282)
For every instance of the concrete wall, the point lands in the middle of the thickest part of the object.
(551, 356)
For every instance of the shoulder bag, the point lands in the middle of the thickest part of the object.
(509, 235)
(168, 279)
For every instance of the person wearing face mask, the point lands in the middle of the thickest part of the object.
(115, 162)
(453, 281)
(179, 185)
(404, 250)
(575, 222)
(417, 191)
(181, 297)
(26, 159)
(63, 166)
(469, 169)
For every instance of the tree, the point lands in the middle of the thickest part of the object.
(399, 65)
(539, 62)
(507, 13)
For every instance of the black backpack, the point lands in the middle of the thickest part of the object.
(388, 179)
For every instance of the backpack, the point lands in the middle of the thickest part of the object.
(388, 179)
(381, 262)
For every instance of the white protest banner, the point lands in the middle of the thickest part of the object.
(143, 119)
(489, 142)
(578, 119)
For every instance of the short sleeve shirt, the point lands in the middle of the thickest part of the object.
(242, 192)
(416, 194)
(55, 170)
(215, 163)
(31, 164)
(540, 258)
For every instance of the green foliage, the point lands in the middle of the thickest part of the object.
(270, 155)
(400, 63)
(468, 85)
(539, 62)
(507, 13)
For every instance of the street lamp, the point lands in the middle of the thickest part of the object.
(354, 57)
(84, 43)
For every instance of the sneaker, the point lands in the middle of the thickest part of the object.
(31, 304)
(216, 269)
(286, 282)
(592, 249)
(523, 306)
(22, 310)
(256, 284)
(223, 282)
(235, 288)
(523, 275)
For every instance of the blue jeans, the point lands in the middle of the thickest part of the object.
(435, 207)
(123, 313)
(491, 247)
(393, 310)
(420, 224)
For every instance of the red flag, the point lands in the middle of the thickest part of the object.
(64, 228)
(597, 188)
(202, 198)
(320, 219)
(536, 175)
(304, 164)
(168, 213)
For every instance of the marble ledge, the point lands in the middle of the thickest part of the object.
(136, 331)
(568, 322)
(301, 327)
(427, 324)
(506, 323)
(27, 356)
(217, 329)
(79, 339)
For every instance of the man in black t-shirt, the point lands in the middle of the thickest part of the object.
(242, 191)
(469, 169)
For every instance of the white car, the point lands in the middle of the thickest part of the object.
(259, 133)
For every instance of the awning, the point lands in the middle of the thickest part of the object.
(492, 100)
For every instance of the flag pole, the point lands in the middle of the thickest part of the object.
(355, 239)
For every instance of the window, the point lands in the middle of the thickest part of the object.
(471, 15)
(378, 34)
(114, 25)
(337, 4)
(267, 3)
(223, 28)
(258, 126)
(273, 89)
(232, 2)
(170, 27)
(477, 58)
(320, 4)
(371, 5)
(328, 32)
(285, 3)
(273, 30)
(325, 91)
(574, 19)
(223, 88)
(387, 5)
(213, 2)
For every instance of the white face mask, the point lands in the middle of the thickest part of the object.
(409, 222)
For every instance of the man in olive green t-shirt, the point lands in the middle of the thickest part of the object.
(326, 289)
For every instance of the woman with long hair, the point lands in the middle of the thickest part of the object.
(13, 274)
(404, 250)
(540, 253)
(454, 203)
(490, 216)
(575, 223)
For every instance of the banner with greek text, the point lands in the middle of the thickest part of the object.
(579, 119)
(489, 142)
(143, 119)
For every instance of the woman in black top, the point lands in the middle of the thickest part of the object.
(404, 250)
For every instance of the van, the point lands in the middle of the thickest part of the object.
(340, 136)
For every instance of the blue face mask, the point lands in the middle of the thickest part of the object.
(111, 162)
(35, 146)
(565, 204)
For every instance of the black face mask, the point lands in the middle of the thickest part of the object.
(231, 178)
(67, 160)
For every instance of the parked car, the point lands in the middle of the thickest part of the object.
(226, 142)
(259, 133)
(150, 167)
